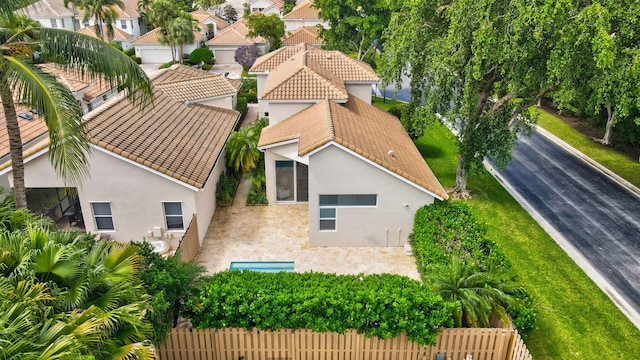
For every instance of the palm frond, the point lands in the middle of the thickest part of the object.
(97, 59)
(7, 7)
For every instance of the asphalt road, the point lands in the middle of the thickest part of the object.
(593, 213)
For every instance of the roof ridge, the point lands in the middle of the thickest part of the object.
(332, 134)
(185, 80)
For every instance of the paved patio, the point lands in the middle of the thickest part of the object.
(280, 233)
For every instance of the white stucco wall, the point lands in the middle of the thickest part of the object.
(361, 91)
(279, 111)
(131, 26)
(206, 199)
(284, 152)
(335, 171)
(66, 23)
(291, 25)
(222, 102)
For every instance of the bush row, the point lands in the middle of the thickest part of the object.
(446, 230)
(375, 305)
(227, 186)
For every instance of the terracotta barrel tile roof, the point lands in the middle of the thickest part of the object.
(271, 60)
(184, 83)
(152, 38)
(76, 81)
(201, 15)
(46, 9)
(361, 128)
(305, 34)
(301, 78)
(304, 10)
(235, 34)
(29, 129)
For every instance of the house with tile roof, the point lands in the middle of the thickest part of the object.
(305, 34)
(228, 40)
(303, 15)
(52, 14)
(127, 20)
(150, 50)
(209, 24)
(294, 77)
(267, 7)
(327, 146)
(120, 37)
(151, 170)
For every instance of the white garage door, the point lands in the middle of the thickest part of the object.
(225, 56)
(155, 56)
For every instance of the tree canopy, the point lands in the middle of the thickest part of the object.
(270, 27)
(355, 25)
(102, 11)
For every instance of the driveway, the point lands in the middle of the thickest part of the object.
(593, 217)
(280, 233)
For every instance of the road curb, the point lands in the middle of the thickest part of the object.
(569, 249)
(615, 177)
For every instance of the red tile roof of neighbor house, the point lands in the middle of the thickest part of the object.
(344, 67)
(362, 128)
(178, 140)
(305, 34)
(46, 9)
(185, 83)
(235, 34)
(118, 35)
(304, 10)
(76, 81)
(153, 38)
(201, 15)
(302, 78)
(29, 129)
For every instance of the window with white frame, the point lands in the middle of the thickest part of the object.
(123, 24)
(329, 205)
(54, 23)
(102, 215)
(173, 215)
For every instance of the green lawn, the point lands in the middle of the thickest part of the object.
(384, 104)
(625, 167)
(576, 319)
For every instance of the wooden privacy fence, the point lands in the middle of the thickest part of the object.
(190, 242)
(285, 344)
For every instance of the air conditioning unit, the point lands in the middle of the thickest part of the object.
(157, 232)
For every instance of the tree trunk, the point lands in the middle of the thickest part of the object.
(460, 187)
(180, 55)
(15, 146)
(611, 114)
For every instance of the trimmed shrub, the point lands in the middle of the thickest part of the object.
(115, 45)
(399, 110)
(129, 52)
(201, 54)
(227, 186)
(241, 105)
(167, 65)
(375, 305)
(207, 67)
(136, 59)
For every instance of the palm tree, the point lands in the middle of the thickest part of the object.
(242, 148)
(22, 82)
(481, 293)
(180, 31)
(102, 11)
(160, 13)
(66, 296)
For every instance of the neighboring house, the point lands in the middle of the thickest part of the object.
(228, 40)
(152, 170)
(285, 76)
(89, 93)
(305, 34)
(355, 166)
(209, 24)
(128, 19)
(302, 15)
(267, 7)
(150, 50)
(120, 37)
(52, 14)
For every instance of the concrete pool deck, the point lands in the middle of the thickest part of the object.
(280, 233)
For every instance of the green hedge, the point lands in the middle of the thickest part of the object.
(375, 305)
(445, 230)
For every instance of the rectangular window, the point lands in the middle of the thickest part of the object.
(173, 215)
(123, 24)
(328, 219)
(62, 23)
(348, 200)
(102, 215)
(54, 23)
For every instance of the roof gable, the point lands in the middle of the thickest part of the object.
(236, 34)
(153, 38)
(118, 34)
(305, 34)
(186, 84)
(301, 78)
(202, 15)
(305, 10)
(47, 9)
(270, 61)
(361, 128)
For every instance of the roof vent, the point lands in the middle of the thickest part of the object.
(391, 153)
(26, 116)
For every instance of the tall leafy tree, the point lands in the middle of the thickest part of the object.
(597, 63)
(102, 11)
(479, 64)
(355, 25)
(270, 27)
(21, 81)
(180, 31)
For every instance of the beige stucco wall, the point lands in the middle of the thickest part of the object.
(222, 102)
(361, 91)
(280, 111)
(336, 171)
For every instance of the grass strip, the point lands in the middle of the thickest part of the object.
(624, 166)
(576, 320)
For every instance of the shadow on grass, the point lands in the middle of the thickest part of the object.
(429, 151)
